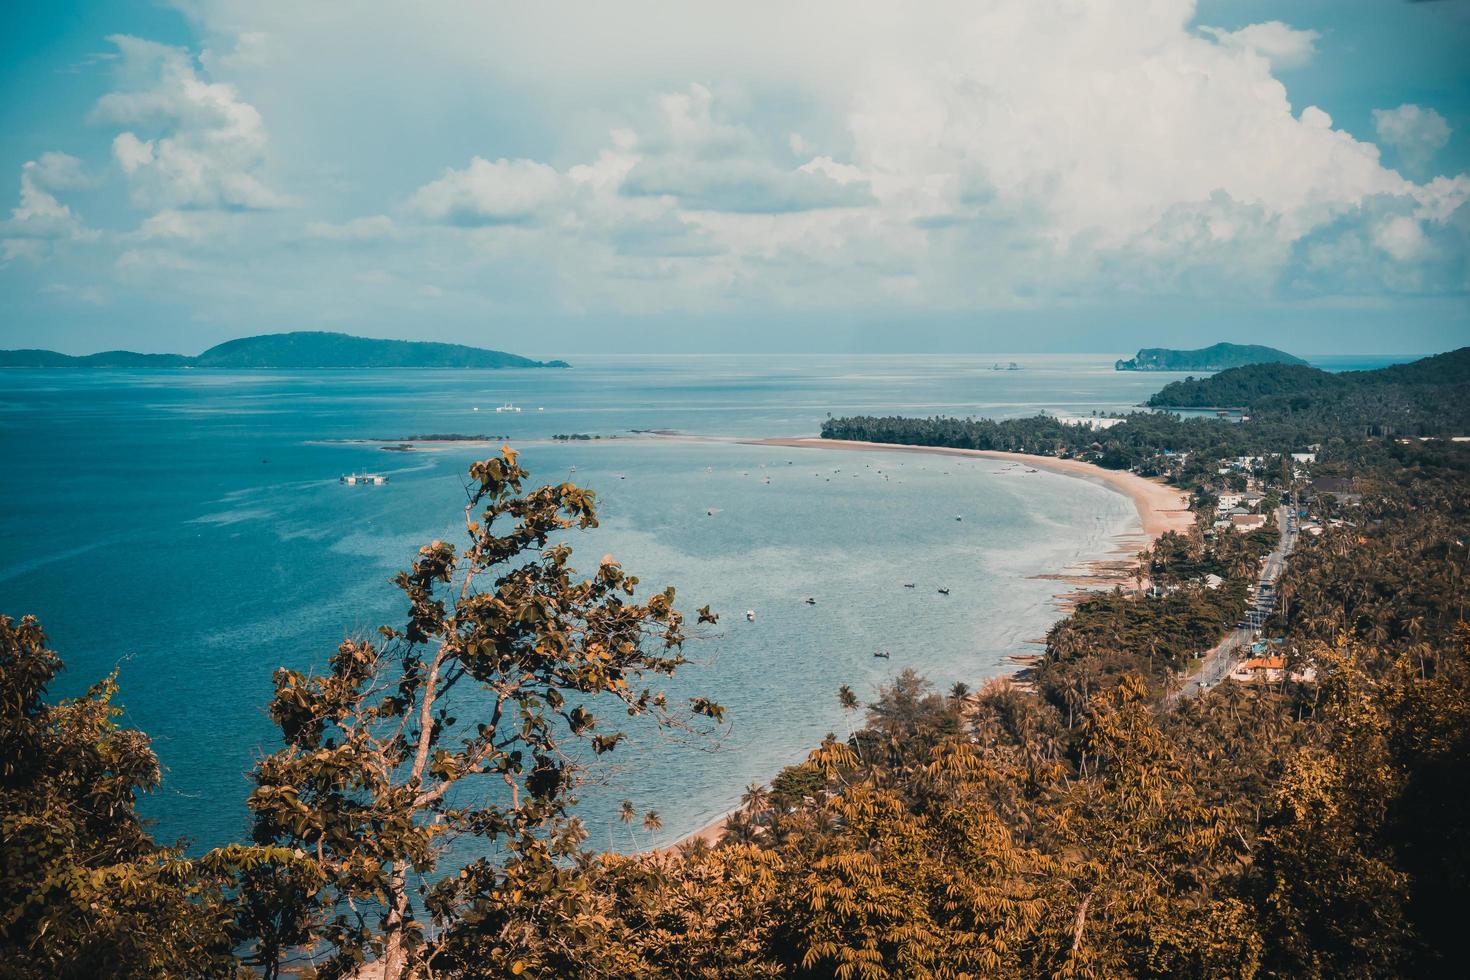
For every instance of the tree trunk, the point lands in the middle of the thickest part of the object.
(395, 957)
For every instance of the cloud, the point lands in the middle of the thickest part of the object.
(59, 172)
(370, 228)
(1283, 46)
(949, 156)
(502, 192)
(39, 221)
(1416, 132)
(210, 145)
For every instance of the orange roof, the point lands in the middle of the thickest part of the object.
(1264, 663)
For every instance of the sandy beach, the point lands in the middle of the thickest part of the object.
(1160, 507)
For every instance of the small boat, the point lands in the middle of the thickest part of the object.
(811, 601)
(908, 585)
(710, 512)
(944, 592)
(958, 517)
(508, 407)
(750, 615)
(362, 479)
(881, 654)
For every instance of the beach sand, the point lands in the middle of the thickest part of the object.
(1160, 507)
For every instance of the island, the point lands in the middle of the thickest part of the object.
(1217, 357)
(308, 349)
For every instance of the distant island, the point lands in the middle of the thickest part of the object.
(1218, 357)
(306, 349)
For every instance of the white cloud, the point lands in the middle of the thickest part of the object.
(1401, 237)
(369, 228)
(502, 192)
(210, 147)
(951, 155)
(60, 172)
(1283, 46)
(1416, 132)
(39, 221)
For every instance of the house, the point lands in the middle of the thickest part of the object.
(1248, 522)
(1227, 500)
(1269, 670)
(1304, 457)
(1213, 581)
(1252, 499)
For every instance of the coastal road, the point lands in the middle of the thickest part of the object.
(1223, 658)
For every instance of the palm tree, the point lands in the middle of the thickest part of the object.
(653, 824)
(626, 815)
(756, 799)
(848, 699)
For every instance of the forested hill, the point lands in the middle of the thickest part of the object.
(1217, 357)
(1429, 396)
(300, 350)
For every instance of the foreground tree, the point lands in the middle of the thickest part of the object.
(459, 725)
(84, 889)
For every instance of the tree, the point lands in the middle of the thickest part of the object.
(84, 889)
(461, 724)
(652, 823)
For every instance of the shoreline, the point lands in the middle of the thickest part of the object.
(1159, 507)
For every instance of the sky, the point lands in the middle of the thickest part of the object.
(650, 175)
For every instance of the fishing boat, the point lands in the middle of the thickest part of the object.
(944, 592)
(362, 479)
(508, 407)
(811, 601)
(750, 615)
(881, 654)
(908, 585)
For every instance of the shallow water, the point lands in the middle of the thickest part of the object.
(188, 527)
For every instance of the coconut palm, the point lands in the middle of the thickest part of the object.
(627, 814)
(756, 800)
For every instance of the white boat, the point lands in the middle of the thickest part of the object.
(362, 479)
(508, 407)
(750, 615)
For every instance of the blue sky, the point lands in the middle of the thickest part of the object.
(994, 175)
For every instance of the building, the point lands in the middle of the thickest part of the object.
(1226, 501)
(1268, 670)
(1247, 522)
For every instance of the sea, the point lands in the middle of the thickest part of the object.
(188, 529)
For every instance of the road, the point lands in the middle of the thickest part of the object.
(1223, 658)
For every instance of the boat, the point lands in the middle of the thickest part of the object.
(944, 592)
(881, 654)
(508, 407)
(958, 517)
(908, 585)
(811, 601)
(750, 615)
(362, 479)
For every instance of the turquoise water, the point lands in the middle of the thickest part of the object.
(188, 527)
